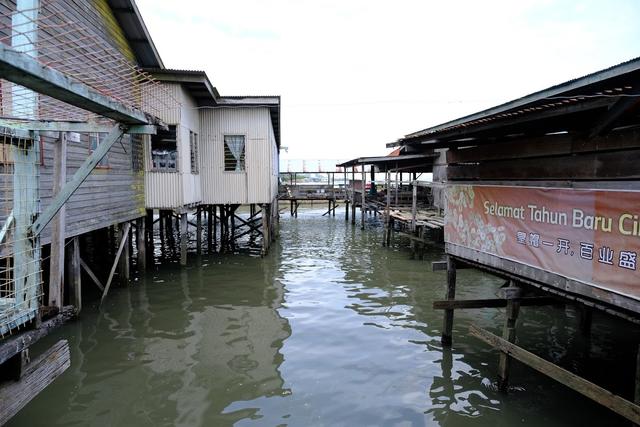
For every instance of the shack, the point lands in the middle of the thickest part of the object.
(72, 128)
(543, 192)
(406, 199)
(219, 153)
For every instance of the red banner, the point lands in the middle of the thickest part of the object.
(592, 236)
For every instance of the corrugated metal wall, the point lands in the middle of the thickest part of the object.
(172, 190)
(163, 190)
(255, 184)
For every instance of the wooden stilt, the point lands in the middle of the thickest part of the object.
(184, 238)
(75, 276)
(509, 334)
(363, 206)
(636, 395)
(199, 231)
(447, 329)
(58, 229)
(123, 266)
(265, 229)
(346, 210)
(141, 244)
(149, 233)
(353, 195)
(123, 242)
(210, 225)
(161, 227)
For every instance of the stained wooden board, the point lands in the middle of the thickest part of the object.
(14, 395)
(598, 394)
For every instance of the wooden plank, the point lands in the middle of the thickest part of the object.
(49, 126)
(78, 178)
(14, 345)
(58, 229)
(598, 394)
(491, 303)
(544, 146)
(123, 242)
(590, 166)
(547, 281)
(447, 328)
(28, 72)
(15, 395)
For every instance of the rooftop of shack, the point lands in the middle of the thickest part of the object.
(591, 104)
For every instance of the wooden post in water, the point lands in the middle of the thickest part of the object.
(141, 245)
(149, 232)
(123, 262)
(353, 195)
(387, 209)
(58, 229)
(447, 329)
(364, 198)
(75, 275)
(637, 384)
(210, 222)
(511, 294)
(199, 230)
(184, 238)
(265, 229)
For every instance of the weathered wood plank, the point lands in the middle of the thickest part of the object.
(544, 146)
(14, 345)
(491, 303)
(14, 395)
(610, 165)
(123, 242)
(598, 394)
(77, 179)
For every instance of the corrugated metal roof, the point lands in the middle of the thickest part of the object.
(610, 82)
(135, 30)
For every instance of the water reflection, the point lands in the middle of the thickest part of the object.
(330, 329)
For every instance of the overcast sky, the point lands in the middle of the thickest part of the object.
(357, 74)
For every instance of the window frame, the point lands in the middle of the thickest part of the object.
(176, 169)
(243, 157)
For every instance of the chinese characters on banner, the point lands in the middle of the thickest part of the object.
(592, 236)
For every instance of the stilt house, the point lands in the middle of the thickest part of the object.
(219, 153)
(544, 191)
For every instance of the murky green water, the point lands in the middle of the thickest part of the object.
(330, 329)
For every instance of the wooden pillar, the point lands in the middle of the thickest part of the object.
(149, 232)
(265, 229)
(353, 195)
(161, 226)
(637, 382)
(509, 333)
(414, 207)
(346, 210)
(184, 238)
(210, 225)
(586, 318)
(364, 198)
(123, 262)
(75, 275)
(447, 329)
(58, 230)
(386, 237)
(198, 230)
(141, 245)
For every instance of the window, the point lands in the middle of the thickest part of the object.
(164, 150)
(234, 153)
(137, 154)
(193, 145)
(96, 139)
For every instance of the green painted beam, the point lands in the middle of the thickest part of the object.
(82, 127)
(78, 178)
(26, 71)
